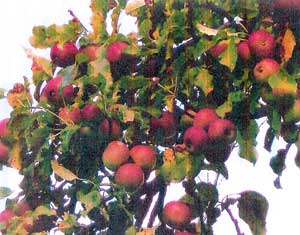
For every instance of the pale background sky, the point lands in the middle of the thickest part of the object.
(16, 21)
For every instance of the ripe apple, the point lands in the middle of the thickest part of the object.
(5, 217)
(18, 96)
(177, 214)
(115, 50)
(63, 55)
(183, 233)
(204, 117)
(70, 115)
(144, 156)
(217, 49)
(129, 175)
(4, 151)
(222, 130)
(114, 132)
(53, 92)
(166, 122)
(195, 139)
(4, 131)
(115, 154)
(90, 111)
(22, 207)
(91, 51)
(261, 44)
(243, 50)
(286, 4)
(265, 68)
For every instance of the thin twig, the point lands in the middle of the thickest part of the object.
(235, 222)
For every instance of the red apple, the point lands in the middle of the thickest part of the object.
(115, 154)
(261, 44)
(265, 68)
(5, 217)
(63, 55)
(222, 130)
(90, 111)
(144, 156)
(4, 151)
(70, 115)
(114, 132)
(53, 92)
(115, 50)
(204, 117)
(165, 122)
(286, 4)
(217, 49)
(177, 214)
(129, 175)
(243, 50)
(22, 207)
(4, 131)
(195, 139)
(91, 51)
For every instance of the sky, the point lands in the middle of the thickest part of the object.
(16, 21)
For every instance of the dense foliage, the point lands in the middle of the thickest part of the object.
(114, 119)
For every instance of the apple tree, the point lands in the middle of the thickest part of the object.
(107, 121)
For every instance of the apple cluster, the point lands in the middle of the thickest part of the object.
(210, 135)
(129, 166)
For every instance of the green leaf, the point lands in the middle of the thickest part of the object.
(90, 200)
(66, 136)
(253, 208)
(131, 231)
(43, 210)
(226, 107)
(246, 138)
(204, 80)
(5, 192)
(229, 56)
(277, 163)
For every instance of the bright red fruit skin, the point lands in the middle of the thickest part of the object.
(90, 51)
(144, 156)
(4, 131)
(244, 50)
(63, 55)
(70, 115)
(177, 214)
(222, 130)
(4, 151)
(204, 117)
(195, 139)
(5, 217)
(265, 68)
(90, 111)
(53, 93)
(115, 154)
(115, 50)
(261, 44)
(284, 4)
(115, 131)
(216, 50)
(129, 175)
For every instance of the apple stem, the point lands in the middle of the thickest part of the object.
(235, 221)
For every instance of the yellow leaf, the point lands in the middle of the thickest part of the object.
(128, 116)
(62, 172)
(15, 160)
(169, 155)
(210, 31)
(170, 103)
(288, 43)
(133, 5)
